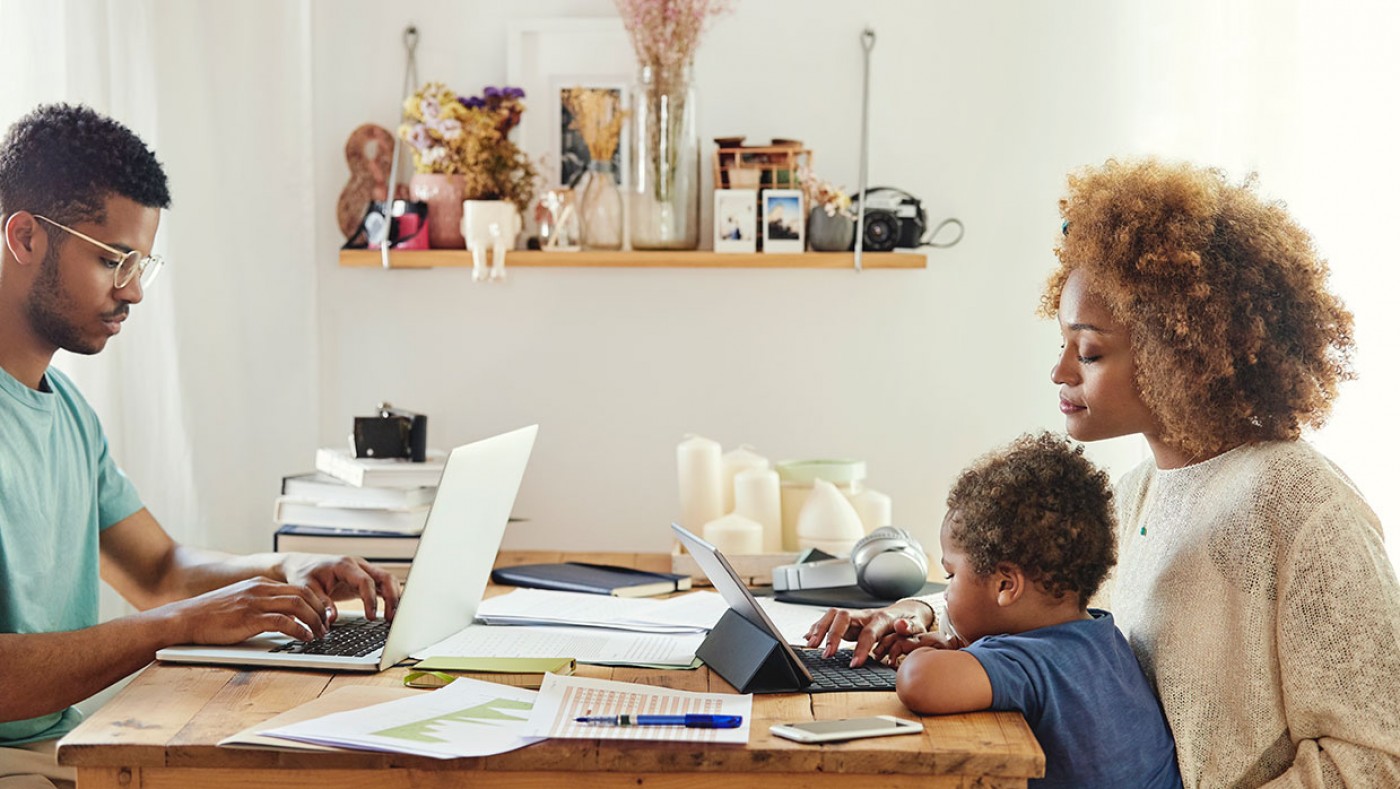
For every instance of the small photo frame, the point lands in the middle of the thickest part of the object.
(736, 220)
(784, 225)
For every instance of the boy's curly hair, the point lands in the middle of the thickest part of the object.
(1235, 336)
(63, 161)
(1042, 506)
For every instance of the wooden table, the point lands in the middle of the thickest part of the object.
(160, 733)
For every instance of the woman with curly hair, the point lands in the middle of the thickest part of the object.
(1252, 581)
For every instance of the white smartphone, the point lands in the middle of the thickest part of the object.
(846, 729)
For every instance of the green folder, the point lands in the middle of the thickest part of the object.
(498, 665)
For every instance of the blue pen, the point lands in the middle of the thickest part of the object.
(688, 721)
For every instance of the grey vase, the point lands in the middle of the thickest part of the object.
(830, 233)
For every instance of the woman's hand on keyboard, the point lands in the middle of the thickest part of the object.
(873, 629)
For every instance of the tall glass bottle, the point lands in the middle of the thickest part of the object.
(664, 204)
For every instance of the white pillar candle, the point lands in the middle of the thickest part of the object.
(698, 463)
(735, 535)
(874, 508)
(733, 462)
(756, 498)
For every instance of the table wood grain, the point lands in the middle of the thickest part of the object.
(160, 733)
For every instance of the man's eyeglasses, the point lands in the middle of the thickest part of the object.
(125, 265)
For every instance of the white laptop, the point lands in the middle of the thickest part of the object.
(450, 569)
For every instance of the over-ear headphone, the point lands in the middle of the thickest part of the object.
(890, 563)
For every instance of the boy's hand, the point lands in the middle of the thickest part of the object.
(923, 640)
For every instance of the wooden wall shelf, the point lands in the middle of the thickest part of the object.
(460, 258)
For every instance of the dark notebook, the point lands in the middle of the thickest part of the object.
(847, 596)
(591, 578)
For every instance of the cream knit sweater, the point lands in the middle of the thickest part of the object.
(1256, 592)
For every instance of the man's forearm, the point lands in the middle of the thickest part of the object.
(194, 571)
(43, 673)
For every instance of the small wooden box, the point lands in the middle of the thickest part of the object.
(760, 167)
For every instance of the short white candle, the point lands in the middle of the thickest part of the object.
(733, 462)
(735, 535)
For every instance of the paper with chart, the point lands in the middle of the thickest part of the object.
(690, 613)
(341, 699)
(561, 699)
(586, 645)
(465, 718)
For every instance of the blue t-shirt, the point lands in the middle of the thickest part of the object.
(58, 488)
(1088, 702)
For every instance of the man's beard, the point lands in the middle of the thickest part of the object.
(47, 306)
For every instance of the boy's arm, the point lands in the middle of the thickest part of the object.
(941, 681)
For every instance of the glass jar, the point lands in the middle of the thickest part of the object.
(600, 206)
(664, 205)
(556, 214)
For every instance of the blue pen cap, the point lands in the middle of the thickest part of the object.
(714, 721)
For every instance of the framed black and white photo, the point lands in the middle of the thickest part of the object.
(784, 225)
(736, 220)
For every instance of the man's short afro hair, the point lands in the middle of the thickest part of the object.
(64, 160)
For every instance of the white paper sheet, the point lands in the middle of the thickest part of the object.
(793, 620)
(691, 613)
(466, 718)
(561, 699)
(342, 699)
(587, 645)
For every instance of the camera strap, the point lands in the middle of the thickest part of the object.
(381, 217)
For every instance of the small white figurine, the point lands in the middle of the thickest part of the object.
(489, 225)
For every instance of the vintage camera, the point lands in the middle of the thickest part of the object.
(893, 218)
(392, 433)
(408, 225)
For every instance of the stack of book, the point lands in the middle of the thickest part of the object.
(353, 506)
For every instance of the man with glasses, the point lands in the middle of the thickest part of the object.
(80, 200)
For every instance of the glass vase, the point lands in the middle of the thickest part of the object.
(664, 204)
(599, 206)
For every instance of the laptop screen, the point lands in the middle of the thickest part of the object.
(732, 588)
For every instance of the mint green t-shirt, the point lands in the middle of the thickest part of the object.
(58, 488)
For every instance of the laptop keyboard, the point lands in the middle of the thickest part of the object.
(355, 638)
(835, 673)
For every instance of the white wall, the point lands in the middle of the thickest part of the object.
(257, 346)
(979, 108)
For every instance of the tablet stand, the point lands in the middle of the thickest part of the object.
(748, 657)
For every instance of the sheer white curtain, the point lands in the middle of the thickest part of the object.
(1297, 90)
(208, 395)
